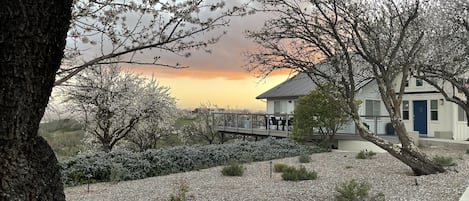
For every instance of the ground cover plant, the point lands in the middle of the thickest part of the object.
(356, 191)
(176, 159)
(280, 167)
(294, 174)
(233, 170)
(365, 154)
(304, 158)
(444, 161)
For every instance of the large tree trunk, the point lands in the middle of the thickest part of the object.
(409, 153)
(32, 39)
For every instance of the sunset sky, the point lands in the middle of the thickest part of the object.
(218, 77)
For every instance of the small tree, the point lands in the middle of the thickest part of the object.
(111, 104)
(201, 128)
(318, 113)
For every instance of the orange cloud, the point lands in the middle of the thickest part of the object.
(198, 73)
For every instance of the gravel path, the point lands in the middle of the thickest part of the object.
(384, 173)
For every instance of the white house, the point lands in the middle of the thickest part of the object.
(424, 110)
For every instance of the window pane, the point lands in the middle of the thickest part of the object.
(277, 107)
(418, 82)
(405, 115)
(405, 105)
(434, 115)
(461, 114)
(376, 108)
(368, 108)
(434, 104)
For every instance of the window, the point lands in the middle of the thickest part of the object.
(418, 82)
(405, 110)
(406, 83)
(461, 114)
(434, 110)
(280, 107)
(372, 108)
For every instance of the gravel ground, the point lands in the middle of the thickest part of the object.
(384, 173)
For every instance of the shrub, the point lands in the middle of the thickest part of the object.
(118, 173)
(444, 161)
(280, 167)
(365, 154)
(467, 151)
(304, 158)
(233, 170)
(181, 192)
(176, 159)
(356, 191)
(293, 174)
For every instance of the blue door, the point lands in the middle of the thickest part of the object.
(420, 116)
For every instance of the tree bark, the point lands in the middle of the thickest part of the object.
(409, 154)
(32, 39)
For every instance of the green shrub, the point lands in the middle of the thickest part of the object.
(365, 154)
(280, 167)
(293, 174)
(233, 170)
(176, 159)
(304, 158)
(118, 173)
(444, 161)
(467, 151)
(356, 191)
(181, 192)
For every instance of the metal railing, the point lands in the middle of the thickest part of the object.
(267, 124)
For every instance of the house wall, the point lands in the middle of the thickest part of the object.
(445, 113)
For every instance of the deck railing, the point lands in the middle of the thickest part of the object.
(281, 124)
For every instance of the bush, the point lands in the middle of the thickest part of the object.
(365, 154)
(467, 151)
(444, 161)
(118, 173)
(356, 191)
(293, 174)
(280, 167)
(233, 170)
(176, 159)
(304, 158)
(181, 192)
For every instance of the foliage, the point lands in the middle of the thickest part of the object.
(107, 32)
(64, 136)
(176, 159)
(444, 161)
(304, 158)
(313, 115)
(181, 192)
(280, 167)
(356, 191)
(199, 129)
(114, 106)
(118, 173)
(365, 154)
(293, 174)
(233, 170)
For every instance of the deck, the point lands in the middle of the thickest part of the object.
(280, 126)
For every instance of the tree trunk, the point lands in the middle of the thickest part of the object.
(408, 153)
(32, 39)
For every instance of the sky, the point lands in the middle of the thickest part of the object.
(218, 77)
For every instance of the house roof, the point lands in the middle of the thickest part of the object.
(299, 85)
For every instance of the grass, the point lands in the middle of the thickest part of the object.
(280, 167)
(365, 154)
(444, 161)
(233, 170)
(304, 158)
(64, 136)
(293, 174)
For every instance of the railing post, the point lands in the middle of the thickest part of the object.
(376, 125)
(224, 121)
(237, 122)
(252, 124)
